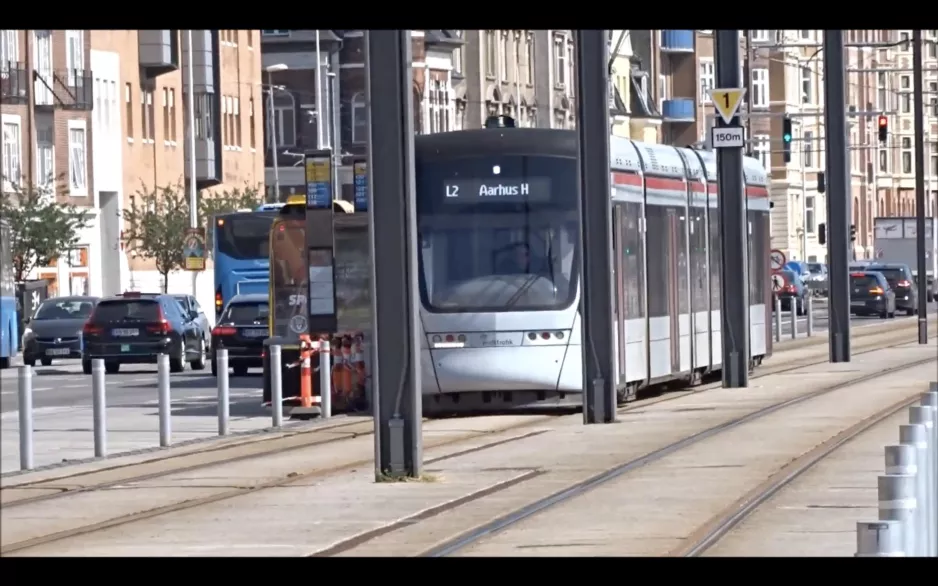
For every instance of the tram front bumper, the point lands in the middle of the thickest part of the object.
(525, 368)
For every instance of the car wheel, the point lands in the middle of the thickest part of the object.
(29, 361)
(214, 368)
(45, 361)
(199, 363)
(112, 367)
(930, 297)
(911, 311)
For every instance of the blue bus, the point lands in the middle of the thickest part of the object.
(240, 253)
(9, 323)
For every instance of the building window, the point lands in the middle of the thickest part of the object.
(129, 111)
(760, 88)
(165, 115)
(237, 122)
(560, 61)
(662, 91)
(934, 159)
(252, 134)
(883, 162)
(151, 115)
(75, 56)
(904, 41)
(881, 89)
(706, 80)
(807, 149)
(9, 49)
(45, 157)
(225, 139)
(172, 115)
(12, 172)
(806, 35)
(147, 116)
(250, 39)
(905, 96)
(906, 154)
(809, 220)
(143, 115)
(508, 45)
(284, 121)
(759, 36)
(491, 53)
(42, 52)
(457, 55)
(807, 85)
(933, 91)
(529, 58)
(762, 150)
(77, 165)
(359, 119)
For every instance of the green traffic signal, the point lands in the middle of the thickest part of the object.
(786, 137)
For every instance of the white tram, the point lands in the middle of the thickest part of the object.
(499, 266)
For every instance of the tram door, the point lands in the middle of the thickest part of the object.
(619, 312)
(675, 276)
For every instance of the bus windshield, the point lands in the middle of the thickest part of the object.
(497, 234)
(244, 235)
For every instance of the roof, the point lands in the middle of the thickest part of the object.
(249, 298)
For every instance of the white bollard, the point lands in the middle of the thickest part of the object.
(880, 539)
(778, 319)
(914, 435)
(931, 399)
(221, 359)
(794, 319)
(275, 364)
(162, 385)
(99, 407)
(325, 379)
(924, 415)
(26, 417)
(897, 503)
(810, 321)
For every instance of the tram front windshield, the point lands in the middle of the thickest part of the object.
(497, 233)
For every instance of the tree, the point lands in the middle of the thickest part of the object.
(41, 229)
(157, 219)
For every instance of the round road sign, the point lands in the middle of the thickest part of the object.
(879, 254)
(778, 282)
(777, 259)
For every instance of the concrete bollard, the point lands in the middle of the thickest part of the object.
(325, 379)
(925, 415)
(793, 314)
(221, 359)
(897, 503)
(99, 407)
(25, 397)
(914, 435)
(880, 539)
(162, 385)
(931, 400)
(810, 320)
(276, 386)
(778, 319)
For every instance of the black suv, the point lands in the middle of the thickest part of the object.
(902, 283)
(870, 294)
(134, 328)
(242, 329)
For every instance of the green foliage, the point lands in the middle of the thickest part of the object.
(157, 219)
(41, 229)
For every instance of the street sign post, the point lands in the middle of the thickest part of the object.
(727, 102)
(778, 282)
(777, 260)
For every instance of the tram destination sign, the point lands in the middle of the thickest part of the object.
(496, 189)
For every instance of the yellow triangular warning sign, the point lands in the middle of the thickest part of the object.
(727, 101)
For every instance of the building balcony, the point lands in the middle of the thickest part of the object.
(678, 110)
(677, 41)
(13, 83)
(66, 89)
(158, 50)
(208, 152)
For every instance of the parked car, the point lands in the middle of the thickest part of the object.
(242, 328)
(54, 331)
(871, 294)
(194, 310)
(901, 282)
(794, 292)
(134, 328)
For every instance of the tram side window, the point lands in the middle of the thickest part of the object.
(698, 257)
(658, 241)
(683, 266)
(633, 265)
(758, 261)
(715, 260)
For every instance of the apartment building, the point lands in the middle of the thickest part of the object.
(105, 116)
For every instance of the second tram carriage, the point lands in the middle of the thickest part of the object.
(499, 264)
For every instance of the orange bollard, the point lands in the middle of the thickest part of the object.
(306, 372)
(349, 367)
(337, 366)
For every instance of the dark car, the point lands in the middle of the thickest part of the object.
(794, 291)
(134, 328)
(192, 308)
(902, 283)
(54, 331)
(242, 329)
(870, 294)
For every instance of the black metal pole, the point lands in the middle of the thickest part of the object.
(734, 244)
(396, 371)
(599, 385)
(838, 200)
(922, 266)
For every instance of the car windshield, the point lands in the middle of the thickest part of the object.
(64, 309)
(246, 313)
(130, 310)
(816, 268)
(863, 281)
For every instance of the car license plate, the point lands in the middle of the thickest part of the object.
(858, 304)
(125, 333)
(125, 347)
(257, 333)
(57, 352)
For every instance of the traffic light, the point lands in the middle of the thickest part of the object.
(822, 233)
(883, 129)
(786, 138)
(853, 233)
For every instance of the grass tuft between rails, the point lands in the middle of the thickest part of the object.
(388, 476)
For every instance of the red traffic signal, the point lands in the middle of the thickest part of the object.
(883, 121)
(883, 128)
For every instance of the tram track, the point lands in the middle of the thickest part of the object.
(500, 436)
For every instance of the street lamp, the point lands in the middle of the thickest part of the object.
(273, 127)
